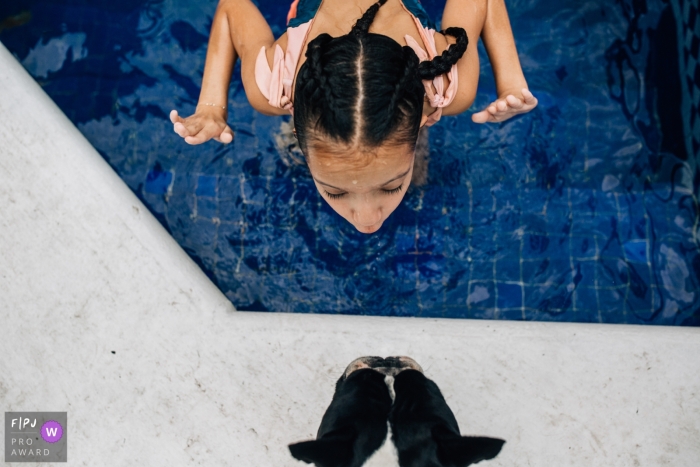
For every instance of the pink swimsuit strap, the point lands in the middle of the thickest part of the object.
(276, 83)
(439, 96)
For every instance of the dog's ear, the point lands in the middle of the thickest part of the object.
(466, 450)
(331, 451)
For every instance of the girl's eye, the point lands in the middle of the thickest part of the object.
(395, 190)
(332, 196)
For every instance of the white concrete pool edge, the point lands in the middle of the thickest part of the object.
(41, 148)
(104, 316)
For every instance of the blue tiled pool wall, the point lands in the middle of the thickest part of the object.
(586, 209)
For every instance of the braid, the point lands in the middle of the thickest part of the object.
(313, 55)
(443, 63)
(313, 79)
(361, 28)
(410, 73)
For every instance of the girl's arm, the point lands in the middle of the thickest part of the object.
(238, 30)
(488, 19)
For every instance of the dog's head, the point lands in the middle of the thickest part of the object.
(385, 408)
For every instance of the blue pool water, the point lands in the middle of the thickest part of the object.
(586, 209)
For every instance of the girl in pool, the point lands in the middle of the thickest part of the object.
(361, 77)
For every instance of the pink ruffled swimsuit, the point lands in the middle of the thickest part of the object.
(276, 83)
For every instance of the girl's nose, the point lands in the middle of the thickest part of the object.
(366, 215)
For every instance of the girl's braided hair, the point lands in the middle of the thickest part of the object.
(362, 90)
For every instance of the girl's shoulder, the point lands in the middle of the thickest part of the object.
(270, 51)
(258, 70)
(441, 42)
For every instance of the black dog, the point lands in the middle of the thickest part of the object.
(385, 412)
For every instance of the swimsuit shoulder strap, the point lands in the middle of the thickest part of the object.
(439, 95)
(276, 83)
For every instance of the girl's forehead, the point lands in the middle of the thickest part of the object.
(342, 168)
(360, 161)
(377, 172)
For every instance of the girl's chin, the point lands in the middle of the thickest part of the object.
(369, 229)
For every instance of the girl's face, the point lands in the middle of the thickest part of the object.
(365, 196)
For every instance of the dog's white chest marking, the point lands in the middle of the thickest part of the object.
(389, 381)
(386, 455)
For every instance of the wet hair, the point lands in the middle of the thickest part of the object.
(362, 90)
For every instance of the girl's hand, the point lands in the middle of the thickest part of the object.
(207, 123)
(505, 108)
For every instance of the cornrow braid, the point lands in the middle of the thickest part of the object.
(313, 57)
(361, 28)
(441, 64)
(321, 102)
(407, 83)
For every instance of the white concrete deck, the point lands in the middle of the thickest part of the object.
(102, 315)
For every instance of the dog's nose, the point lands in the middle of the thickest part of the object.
(390, 366)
